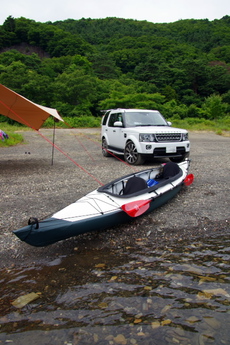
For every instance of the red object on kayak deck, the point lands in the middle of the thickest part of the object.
(136, 208)
(189, 179)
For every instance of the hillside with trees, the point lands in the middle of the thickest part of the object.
(83, 66)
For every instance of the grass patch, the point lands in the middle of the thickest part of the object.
(14, 139)
(220, 126)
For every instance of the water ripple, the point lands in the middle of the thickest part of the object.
(179, 294)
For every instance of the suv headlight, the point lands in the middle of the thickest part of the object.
(146, 137)
(185, 136)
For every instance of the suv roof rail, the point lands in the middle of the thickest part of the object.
(104, 110)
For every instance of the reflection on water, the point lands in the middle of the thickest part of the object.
(179, 294)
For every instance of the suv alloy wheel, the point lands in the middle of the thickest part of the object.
(131, 154)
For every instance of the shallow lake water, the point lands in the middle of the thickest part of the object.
(176, 294)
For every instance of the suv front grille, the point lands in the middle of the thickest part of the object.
(166, 137)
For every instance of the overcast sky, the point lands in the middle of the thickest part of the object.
(156, 11)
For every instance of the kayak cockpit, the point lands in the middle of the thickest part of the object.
(145, 181)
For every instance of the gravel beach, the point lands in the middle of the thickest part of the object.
(32, 186)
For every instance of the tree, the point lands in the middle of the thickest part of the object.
(169, 93)
(196, 72)
(214, 107)
(14, 76)
(104, 66)
(22, 28)
(38, 88)
(77, 89)
(222, 53)
(218, 77)
(9, 24)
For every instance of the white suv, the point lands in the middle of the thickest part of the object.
(139, 134)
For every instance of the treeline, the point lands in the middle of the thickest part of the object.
(83, 66)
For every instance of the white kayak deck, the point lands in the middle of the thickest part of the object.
(98, 202)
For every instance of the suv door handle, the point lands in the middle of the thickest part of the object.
(114, 130)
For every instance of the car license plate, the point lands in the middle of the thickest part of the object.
(171, 149)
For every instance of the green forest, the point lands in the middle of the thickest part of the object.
(81, 67)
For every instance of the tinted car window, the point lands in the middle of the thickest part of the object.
(113, 118)
(105, 118)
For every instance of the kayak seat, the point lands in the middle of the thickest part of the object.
(170, 169)
(134, 184)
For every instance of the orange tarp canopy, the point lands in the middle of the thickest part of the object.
(23, 110)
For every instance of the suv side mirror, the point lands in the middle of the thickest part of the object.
(118, 124)
(169, 123)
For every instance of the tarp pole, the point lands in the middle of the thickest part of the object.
(52, 161)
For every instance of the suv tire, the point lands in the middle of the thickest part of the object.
(131, 155)
(105, 148)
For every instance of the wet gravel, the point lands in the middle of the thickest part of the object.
(32, 186)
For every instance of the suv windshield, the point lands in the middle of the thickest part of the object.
(139, 118)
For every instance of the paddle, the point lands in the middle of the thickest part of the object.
(136, 208)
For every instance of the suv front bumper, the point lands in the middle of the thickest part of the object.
(161, 152)
(165, 149)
